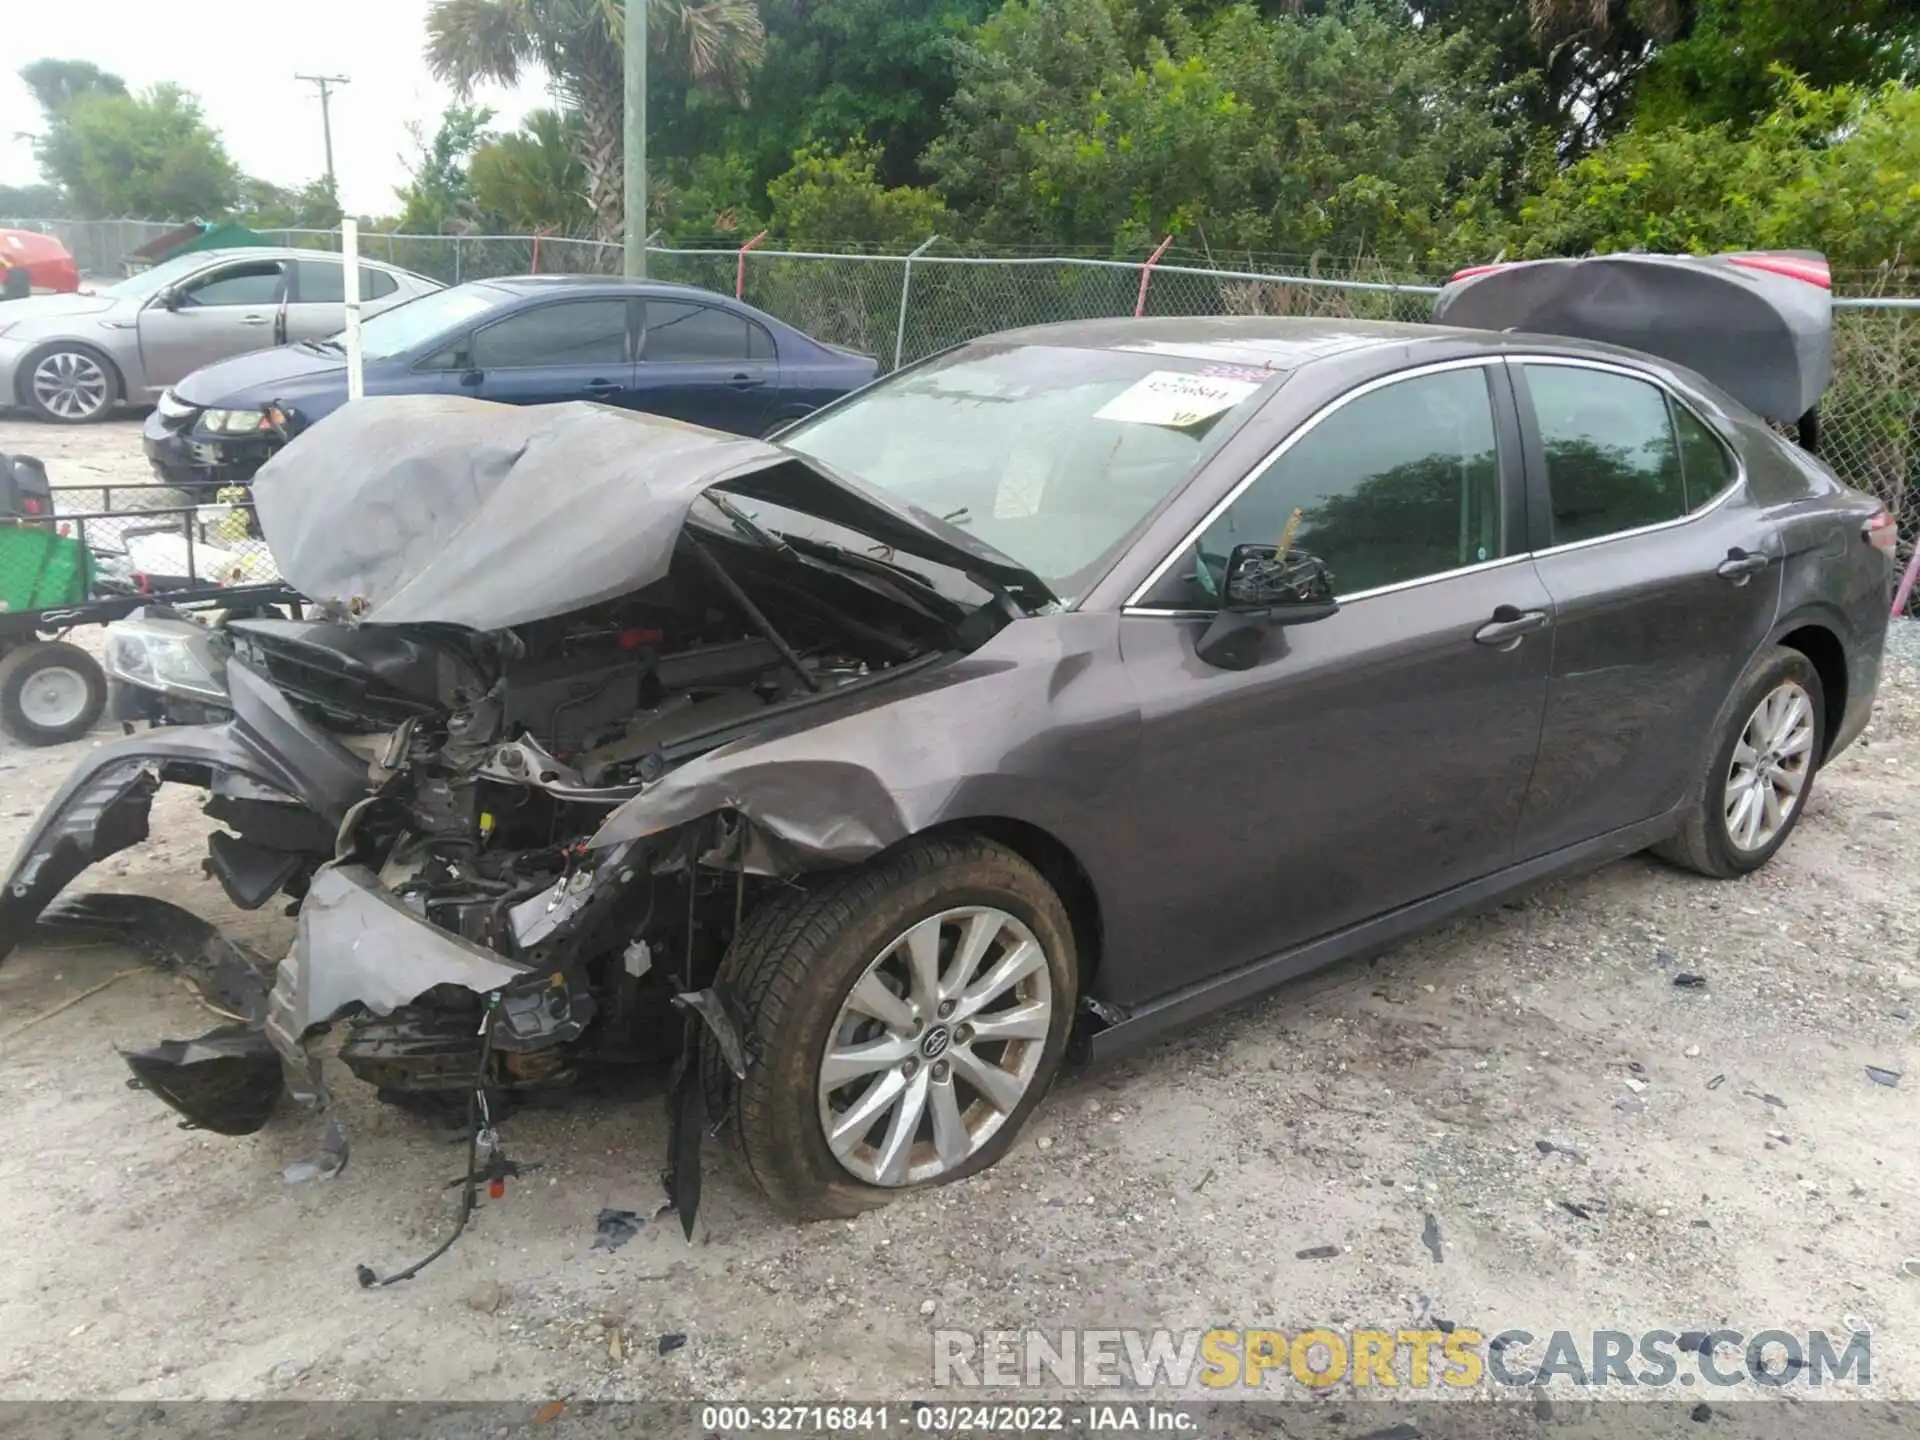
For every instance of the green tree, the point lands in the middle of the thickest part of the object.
(267, 206)
(1352, 131)
(1720, 64)
(440, 192)
(150, 155)
(57, 83)
(834, 73)
(578, 43)
(1833, 170)
(32, 202)
(836, 200)
(533, 179)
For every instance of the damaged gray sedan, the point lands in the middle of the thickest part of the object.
(1061, 688)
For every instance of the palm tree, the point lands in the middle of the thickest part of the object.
(578, 43)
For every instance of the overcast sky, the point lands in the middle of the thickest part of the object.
(240, 57)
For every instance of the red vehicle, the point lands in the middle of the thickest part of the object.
(48, 266)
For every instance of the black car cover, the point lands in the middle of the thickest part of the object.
(1759, 326)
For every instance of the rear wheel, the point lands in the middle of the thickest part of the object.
(1761, 773)
(50, 692)
(905, 1019)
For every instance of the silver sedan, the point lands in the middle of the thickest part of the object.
(72, 358)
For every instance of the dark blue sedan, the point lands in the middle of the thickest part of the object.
(667, 349)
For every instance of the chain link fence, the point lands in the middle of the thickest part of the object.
(902, 308)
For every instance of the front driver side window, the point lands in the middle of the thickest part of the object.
(254, 283)
(1397, 485)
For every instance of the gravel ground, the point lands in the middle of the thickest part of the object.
(1175, 1190)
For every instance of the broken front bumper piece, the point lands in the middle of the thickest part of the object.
(359, 948)
(268, 756)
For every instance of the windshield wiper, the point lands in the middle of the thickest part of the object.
(744, 523)
(324, 347)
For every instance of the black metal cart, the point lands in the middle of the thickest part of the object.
(61, 569)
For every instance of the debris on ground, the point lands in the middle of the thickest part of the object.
(1879, 1076)
(1574, 1207)
(1687, 980)
(1430, 1237)
(1716, 1082)
(1317, 1252)
(671, 1343)
(485, 1297)
(615, 1228)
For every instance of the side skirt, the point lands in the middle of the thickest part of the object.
(1150, 1022)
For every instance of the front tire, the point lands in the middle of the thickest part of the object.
(1773, 734)
(69, 384)
(905, 1018)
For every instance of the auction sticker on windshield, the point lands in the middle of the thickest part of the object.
(1167, 397)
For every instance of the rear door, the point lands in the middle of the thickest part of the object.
(561, 350)
(1371, 759)
(708, 365)
(1665, 578)
(317, 298)
(227, 310)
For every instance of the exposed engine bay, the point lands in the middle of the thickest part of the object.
(446, 771)
(496, 758)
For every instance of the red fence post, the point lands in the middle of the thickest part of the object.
(1146, 274)
(740, 277)
(536, 245)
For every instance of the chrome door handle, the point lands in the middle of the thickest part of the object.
(1509, 627)
(1741, 565)
(253, 320)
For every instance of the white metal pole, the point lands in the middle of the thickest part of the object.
(350, 276)
(906, 281)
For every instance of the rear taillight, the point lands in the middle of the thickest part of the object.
(1880, 531)
(30, 505)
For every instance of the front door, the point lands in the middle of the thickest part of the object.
(708, 366)
(566, 350)
(1665, 579)
(227, 310)
(1370, 759)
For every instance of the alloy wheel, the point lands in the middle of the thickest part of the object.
(1772, 761)
(71, 385)
(935, 1046)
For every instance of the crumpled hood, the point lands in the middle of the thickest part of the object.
(424, 509)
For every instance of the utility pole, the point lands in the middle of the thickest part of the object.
(326, 84)
(634, 146)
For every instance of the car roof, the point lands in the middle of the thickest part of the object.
(1268, 342)
(604, 284)
(1288, 343)
(289, 252)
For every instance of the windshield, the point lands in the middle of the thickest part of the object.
(406, 327)
(1052, 455)
(149, 283)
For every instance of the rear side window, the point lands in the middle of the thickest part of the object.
(1706, 467)
(323, 282)
(1612, 460)
(575, 332)
(1400, 484)
(691, 334)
